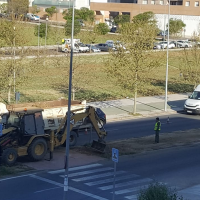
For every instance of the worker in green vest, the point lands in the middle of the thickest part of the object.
(157, 129)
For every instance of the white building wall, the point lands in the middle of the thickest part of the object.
(192, 23)
(82, 3)
(99, 1)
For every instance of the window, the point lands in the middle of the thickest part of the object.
(144, 2)
(161, 2)
(187, 3)
(152, 2)
(196, 4)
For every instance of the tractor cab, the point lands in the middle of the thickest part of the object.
(27, 121)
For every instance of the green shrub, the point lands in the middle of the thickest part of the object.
(101, 28)
(158, 191)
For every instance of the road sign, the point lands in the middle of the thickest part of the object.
(115, 155)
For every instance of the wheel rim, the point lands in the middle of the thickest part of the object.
(11, 157)
(39, 149)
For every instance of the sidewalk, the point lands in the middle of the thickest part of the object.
(146, 106)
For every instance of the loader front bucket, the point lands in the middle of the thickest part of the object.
(98, 146)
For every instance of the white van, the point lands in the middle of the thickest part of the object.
(192, 104)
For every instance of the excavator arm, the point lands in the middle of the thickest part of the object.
(61, 133)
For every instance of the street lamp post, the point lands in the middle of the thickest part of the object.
(39, 37)
(167, 64)
(46, 31)
(14, 73)
(66, 187)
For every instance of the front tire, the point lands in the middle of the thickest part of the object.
(37, 149)
(9, 156)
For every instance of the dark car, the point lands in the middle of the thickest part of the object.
(101, 118)
(105, 47)
(101, 115)
(113, 30)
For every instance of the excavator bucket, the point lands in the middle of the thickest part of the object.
(98, 146)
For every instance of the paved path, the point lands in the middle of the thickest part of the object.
(146, 106)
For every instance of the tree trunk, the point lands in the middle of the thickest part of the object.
(135, 97)
(9, 93)
(135, 94)
(73, 94)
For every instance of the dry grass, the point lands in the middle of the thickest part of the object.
(50, 81)
(144, 144)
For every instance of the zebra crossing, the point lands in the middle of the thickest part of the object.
(99, 177)
(127, 186)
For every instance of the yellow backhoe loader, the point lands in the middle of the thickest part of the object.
(28, 137)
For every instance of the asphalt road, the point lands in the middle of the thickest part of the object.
(134, 128)
(178, 168)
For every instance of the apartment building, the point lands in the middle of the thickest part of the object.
(186, 10)
(61, 3)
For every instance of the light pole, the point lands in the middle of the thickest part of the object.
(14, 73)
(164, 23)
(66, 187)
(167, 64)
(39, 38)
(46, 31)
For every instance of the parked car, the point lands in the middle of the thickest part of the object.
(82, 47)
(163, 45)
(113, 30)
(102, 117)
(81, 22)
(3, 15)
(163, 33)
(30, 16)
(95, 49)
(182, 44)
(105, 47)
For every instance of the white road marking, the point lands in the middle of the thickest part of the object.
(132, 197)
(5, 179)
(108, 187)
(47, 189)
(90, 171)
(75, 168)
(70, 188)
(135, 189)
(97, 176)
(111, 180)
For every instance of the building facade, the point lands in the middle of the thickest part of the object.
(186, 10)
(62, 3)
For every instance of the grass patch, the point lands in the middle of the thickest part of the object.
(92, 83)
(16, 169)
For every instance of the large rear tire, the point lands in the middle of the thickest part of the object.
(9, 156)
(37, 149)
(72, 140)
